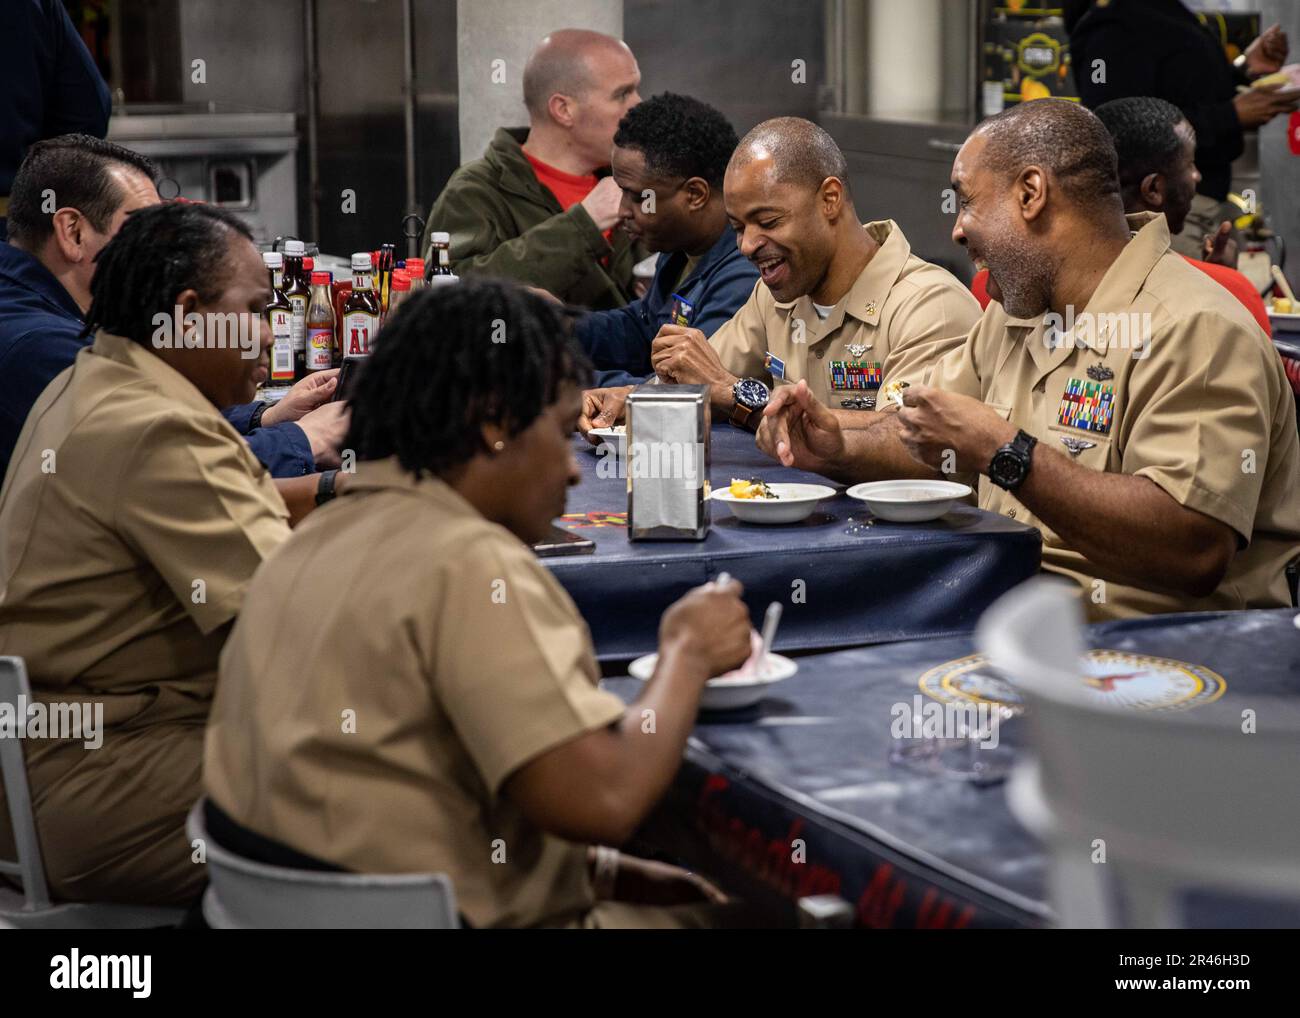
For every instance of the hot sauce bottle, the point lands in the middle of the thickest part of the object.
(320, 325)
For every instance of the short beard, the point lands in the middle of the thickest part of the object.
(1022, 275)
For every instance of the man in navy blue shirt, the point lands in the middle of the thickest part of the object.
(50, 84)
(670, 154)
(70, 196)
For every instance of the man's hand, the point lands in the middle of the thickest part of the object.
(951, 432)
(1267, 54)
(1220, 247)
(326, 427)
(602, 203)
(305, 396)
(602, 408)
(1257, 106)
(685, 356)
(709, 625)
(798, 431)
(647, 882)
(544, 294)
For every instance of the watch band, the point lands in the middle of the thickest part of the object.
(255, 421)
(744, 417)
(325, 486)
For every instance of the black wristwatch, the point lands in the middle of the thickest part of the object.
(325, 486)
(751, 398)
(1011, 463)
(255, 421)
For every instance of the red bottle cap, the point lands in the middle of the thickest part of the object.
(321, 278)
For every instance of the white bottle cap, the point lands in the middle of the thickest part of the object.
(273, 260)
(442, 281)
(295, 248)
(439, 238)
(361, 261)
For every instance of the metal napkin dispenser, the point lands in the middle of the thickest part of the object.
(668, 462)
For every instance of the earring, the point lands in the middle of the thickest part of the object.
(498, 445)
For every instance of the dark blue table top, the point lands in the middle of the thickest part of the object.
(844, 578)
(909, 848)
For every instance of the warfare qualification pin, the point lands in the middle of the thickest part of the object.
(856, 350)
(1100, 373)
(1074, 446)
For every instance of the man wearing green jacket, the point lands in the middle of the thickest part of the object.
(540, 207)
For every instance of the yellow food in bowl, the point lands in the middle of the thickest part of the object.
(1281, 306)
(750, 489)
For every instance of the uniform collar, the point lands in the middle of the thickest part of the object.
(866, 298)
(166, 379)
(21, 269)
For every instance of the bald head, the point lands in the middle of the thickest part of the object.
(799, 151)
(1063, 138)
(564, 63)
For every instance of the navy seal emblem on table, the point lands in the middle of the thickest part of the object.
(1115, 677)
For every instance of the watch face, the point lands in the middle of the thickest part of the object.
(1007, 469)
(751, 393)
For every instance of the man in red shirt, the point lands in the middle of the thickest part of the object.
(540, 207)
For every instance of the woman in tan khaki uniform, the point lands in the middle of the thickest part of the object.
(408, 689)
(131, 519)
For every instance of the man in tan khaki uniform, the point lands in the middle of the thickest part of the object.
(131, 520)
(900, 316)
(842, 304)
(1121, 401)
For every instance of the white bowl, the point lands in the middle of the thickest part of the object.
(793, 502)
(726, 692)
(909, 501)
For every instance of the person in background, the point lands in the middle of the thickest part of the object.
(842, 304)
(51, 85)
(536, 208)
(471, 741)
(45, 283)
(131, 521)
(670, 155)
(1159, 48)
(1094, 400)
(1156, 145)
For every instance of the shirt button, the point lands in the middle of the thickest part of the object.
(820, 354)
(1011, 513)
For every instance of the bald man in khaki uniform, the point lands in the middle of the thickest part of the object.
(131, 519)
(1112, 395)
(844, 305)
(1194, 398)
(900, 316)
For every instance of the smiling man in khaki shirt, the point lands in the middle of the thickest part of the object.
(131, 520)
(1113, 396)
(842, 304)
